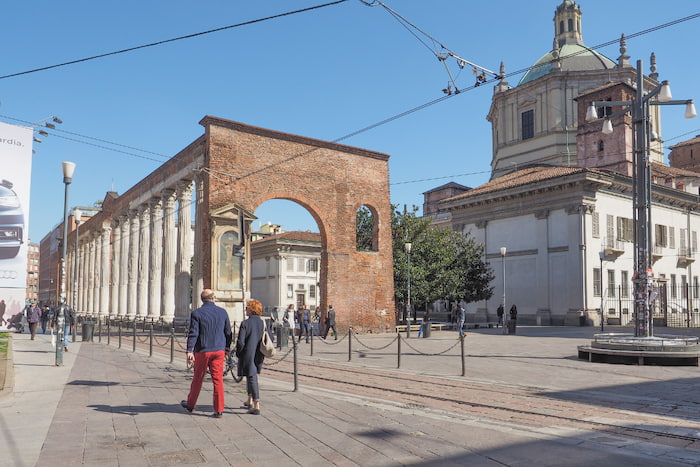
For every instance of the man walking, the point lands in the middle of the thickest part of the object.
(208, 342)
(33, 318)
(461, 318)
(3, 307)
(330, 322)
(305, 317)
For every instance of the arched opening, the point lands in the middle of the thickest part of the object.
(366, 229)
(285, 258)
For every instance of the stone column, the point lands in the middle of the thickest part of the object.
(184, 237)
(105, 272)
(83, 265)
(91, 274)
(156, 257)
(144, 245)
(199, 223)
(97, 294)
(124, 266)
(169, 255)
(115, 260)
(133, 265)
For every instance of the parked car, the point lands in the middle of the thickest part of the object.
(11, 221)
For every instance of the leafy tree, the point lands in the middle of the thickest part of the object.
(444, 263)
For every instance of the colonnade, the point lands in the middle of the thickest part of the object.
(136, 264)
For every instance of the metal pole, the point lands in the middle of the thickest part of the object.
(398, 351)
(61, 312)
(503, 267)
(601, 292)
(296, 365)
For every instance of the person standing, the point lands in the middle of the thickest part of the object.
(461, 318)
(3, 307)
(499, 313)
(207, 342)
(330, 322)
(33, 318)
(44, 319)
(305, 317)
(250, 359)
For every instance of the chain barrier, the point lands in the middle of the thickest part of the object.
(335, 342)
(142, 340)
(278, 360)
(158, 343)
(357, 339)
(406, 342)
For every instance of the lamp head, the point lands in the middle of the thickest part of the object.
(503, 251)
(690, 110)
(407, 246)
(77, 214)
(665, 92)
(591, 113)
(607, 127)
(68, 169)
(601, 255)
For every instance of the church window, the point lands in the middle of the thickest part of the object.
(571, 25)
(561, 27)
(528, 124)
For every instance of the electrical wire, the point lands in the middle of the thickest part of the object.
(174, 39)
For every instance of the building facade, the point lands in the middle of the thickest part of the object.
(285, 270)
(560, 197)
(33, 272)
(134, 259)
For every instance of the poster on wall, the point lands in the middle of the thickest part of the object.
(15, 180)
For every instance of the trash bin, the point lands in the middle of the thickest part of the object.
(283, 336)
(88, 330)
(426, 329)
(511, 326)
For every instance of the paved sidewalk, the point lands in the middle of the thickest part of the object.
(112, 407)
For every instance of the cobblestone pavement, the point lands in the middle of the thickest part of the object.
(523, 400)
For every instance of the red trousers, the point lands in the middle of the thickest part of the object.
(215, 362)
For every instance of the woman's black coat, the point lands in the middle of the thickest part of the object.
(250, 359)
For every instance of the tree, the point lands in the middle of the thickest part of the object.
(364, 229)
(444, 264)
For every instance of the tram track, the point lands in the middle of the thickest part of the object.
(504, 403)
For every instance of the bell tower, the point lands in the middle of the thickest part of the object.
(567, 24)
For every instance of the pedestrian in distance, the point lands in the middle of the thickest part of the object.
(461, 318)
(305, 317)
(499, 313)
(69, 323)
(208, 342)
(330, 322)
(513, 312)
(33, 318)
(250, 359)
(3, 307)
(44, 319)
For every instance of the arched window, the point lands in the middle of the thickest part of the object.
(561, 27)
(571, 25)
(230, 262)
(601, 146)
(365, 229)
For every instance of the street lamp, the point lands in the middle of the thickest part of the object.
(68, 169)
(639, 109)
(503, 264)
(407, 247)
(601, 254)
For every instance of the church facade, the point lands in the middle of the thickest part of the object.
(560, 196)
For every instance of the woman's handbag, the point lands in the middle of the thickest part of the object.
(267, 347)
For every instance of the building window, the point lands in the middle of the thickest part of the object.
(624, 283)
(684, 286)
(597, 285)
(596, 224)
(693, 241)
(290, 264)
(301, 265)
(611, 283)
(674, 285)
(527, 119)
(290, 290)
(300, 287)
(571, 25)
(672, 237)
(610, 227)
(601, 146)
(661, 237)
(312, 291)
(625, 229)
(366, 229)
(695, 286)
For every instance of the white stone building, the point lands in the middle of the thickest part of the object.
(560, 197)
(284, 270)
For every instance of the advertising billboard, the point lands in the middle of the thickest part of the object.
(15, 180)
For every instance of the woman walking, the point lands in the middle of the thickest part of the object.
(250, 359)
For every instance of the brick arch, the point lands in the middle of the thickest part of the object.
(249, 165)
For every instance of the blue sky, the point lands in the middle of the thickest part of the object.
(324, 74)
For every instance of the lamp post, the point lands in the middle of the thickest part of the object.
(503, 267)
(601, 255)
(639, 109)
(407, 247)
(68, 169)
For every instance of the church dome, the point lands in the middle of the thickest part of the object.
(573, 57)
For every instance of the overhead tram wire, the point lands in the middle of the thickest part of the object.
(174, 39)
